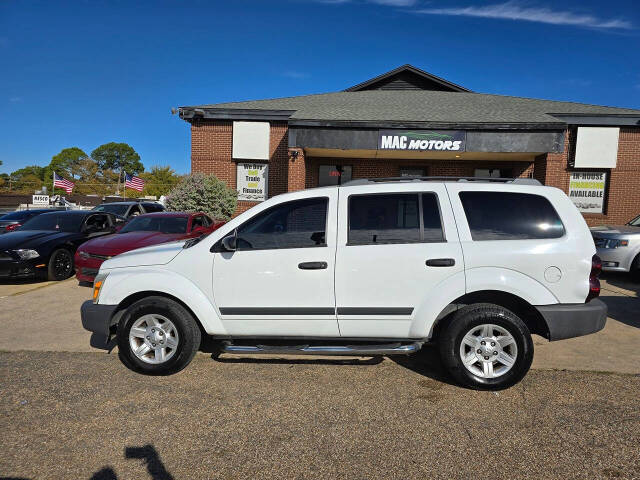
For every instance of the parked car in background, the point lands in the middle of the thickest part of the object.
(13, 220)
(129, 209)
(370, 267)
(619, 246)
(141, 231)
(45, 244)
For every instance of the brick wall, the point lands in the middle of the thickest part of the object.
(622, 200)
(211, 153)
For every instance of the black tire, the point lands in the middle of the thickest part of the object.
(189, 335)
(60, 265)
(478, 314)
(635, 268)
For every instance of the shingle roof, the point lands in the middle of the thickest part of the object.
(422, 106)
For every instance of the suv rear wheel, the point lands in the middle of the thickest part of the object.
(157, 336)
(486, 347)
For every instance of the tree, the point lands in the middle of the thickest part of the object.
(159, 181)
(117, 157)
(65, 163)
(32, 171)
(203, 193)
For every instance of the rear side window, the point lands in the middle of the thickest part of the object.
(394, 218)
(510, 216)
(297, 224)
(153, 207)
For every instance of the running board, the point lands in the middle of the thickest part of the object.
(354, 350)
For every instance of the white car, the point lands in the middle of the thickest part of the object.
(371, 267)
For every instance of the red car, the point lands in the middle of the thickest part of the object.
(141, 231)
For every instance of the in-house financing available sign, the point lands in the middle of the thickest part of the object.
(586, 191)
(422, 140)
(251, 181)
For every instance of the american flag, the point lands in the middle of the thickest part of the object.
(66, 185)
(131, 181)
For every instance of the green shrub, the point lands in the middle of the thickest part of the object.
(203, 193)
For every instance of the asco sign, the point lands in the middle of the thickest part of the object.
(422, 140)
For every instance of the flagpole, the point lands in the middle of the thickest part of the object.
(53, 184)
(125, 185)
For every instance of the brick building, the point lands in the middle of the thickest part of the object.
(409, 122)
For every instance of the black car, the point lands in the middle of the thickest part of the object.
(129, 209)
(13, 220)
(45, 245)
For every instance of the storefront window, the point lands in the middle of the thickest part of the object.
(334, 175)
(413, 172)
(493, 172)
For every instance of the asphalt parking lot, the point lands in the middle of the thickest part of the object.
(69, 412)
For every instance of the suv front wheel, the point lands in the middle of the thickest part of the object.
(157, 336)
(486, 347)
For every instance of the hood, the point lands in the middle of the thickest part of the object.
(614, 230)
(155, 255)
(118, 243)
(31, 238)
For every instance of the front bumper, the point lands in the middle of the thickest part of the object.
(87, 268)
(615, 259)
(574, 320)
(98, 319)
(22, 268)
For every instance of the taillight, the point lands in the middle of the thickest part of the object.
(12, 227)
(594, 283)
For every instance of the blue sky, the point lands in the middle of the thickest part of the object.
(90, 72)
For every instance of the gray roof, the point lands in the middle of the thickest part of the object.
(419, 106)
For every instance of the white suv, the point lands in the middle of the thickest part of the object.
(372, 267)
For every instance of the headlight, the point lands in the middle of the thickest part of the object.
(614, 243)
(26, 254)
(98, 282)
(83, 254)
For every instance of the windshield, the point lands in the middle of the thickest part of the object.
(63, 222)
(635, 222)
(156, 224)
(117, 209)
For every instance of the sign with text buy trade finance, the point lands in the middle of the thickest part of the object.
(251, 181)
(422, 140)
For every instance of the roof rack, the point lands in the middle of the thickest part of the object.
(369, 181)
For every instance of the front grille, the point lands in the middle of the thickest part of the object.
(600, 242)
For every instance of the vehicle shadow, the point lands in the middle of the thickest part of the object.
(427, 363)
(623, 309)
(623, 281)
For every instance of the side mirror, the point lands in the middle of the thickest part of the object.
(229, 243)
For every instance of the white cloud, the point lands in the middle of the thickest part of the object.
(516, 11)
(390, 3)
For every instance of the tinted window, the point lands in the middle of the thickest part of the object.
(634, 223)
(390, 218)
(135, 210)
(97, 223)
(431, 218)
(333, 175)
(112, 208)
(156, 224)
(22, 215)
(297, 224)
(197, 222)
(510, 216)
(64, 222)
(153, 207)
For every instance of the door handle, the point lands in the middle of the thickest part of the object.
(440, 262)
(312, 265)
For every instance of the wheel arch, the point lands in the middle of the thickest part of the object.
(523, 309)
(134, 297)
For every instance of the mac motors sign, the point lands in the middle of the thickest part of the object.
(422, 140)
